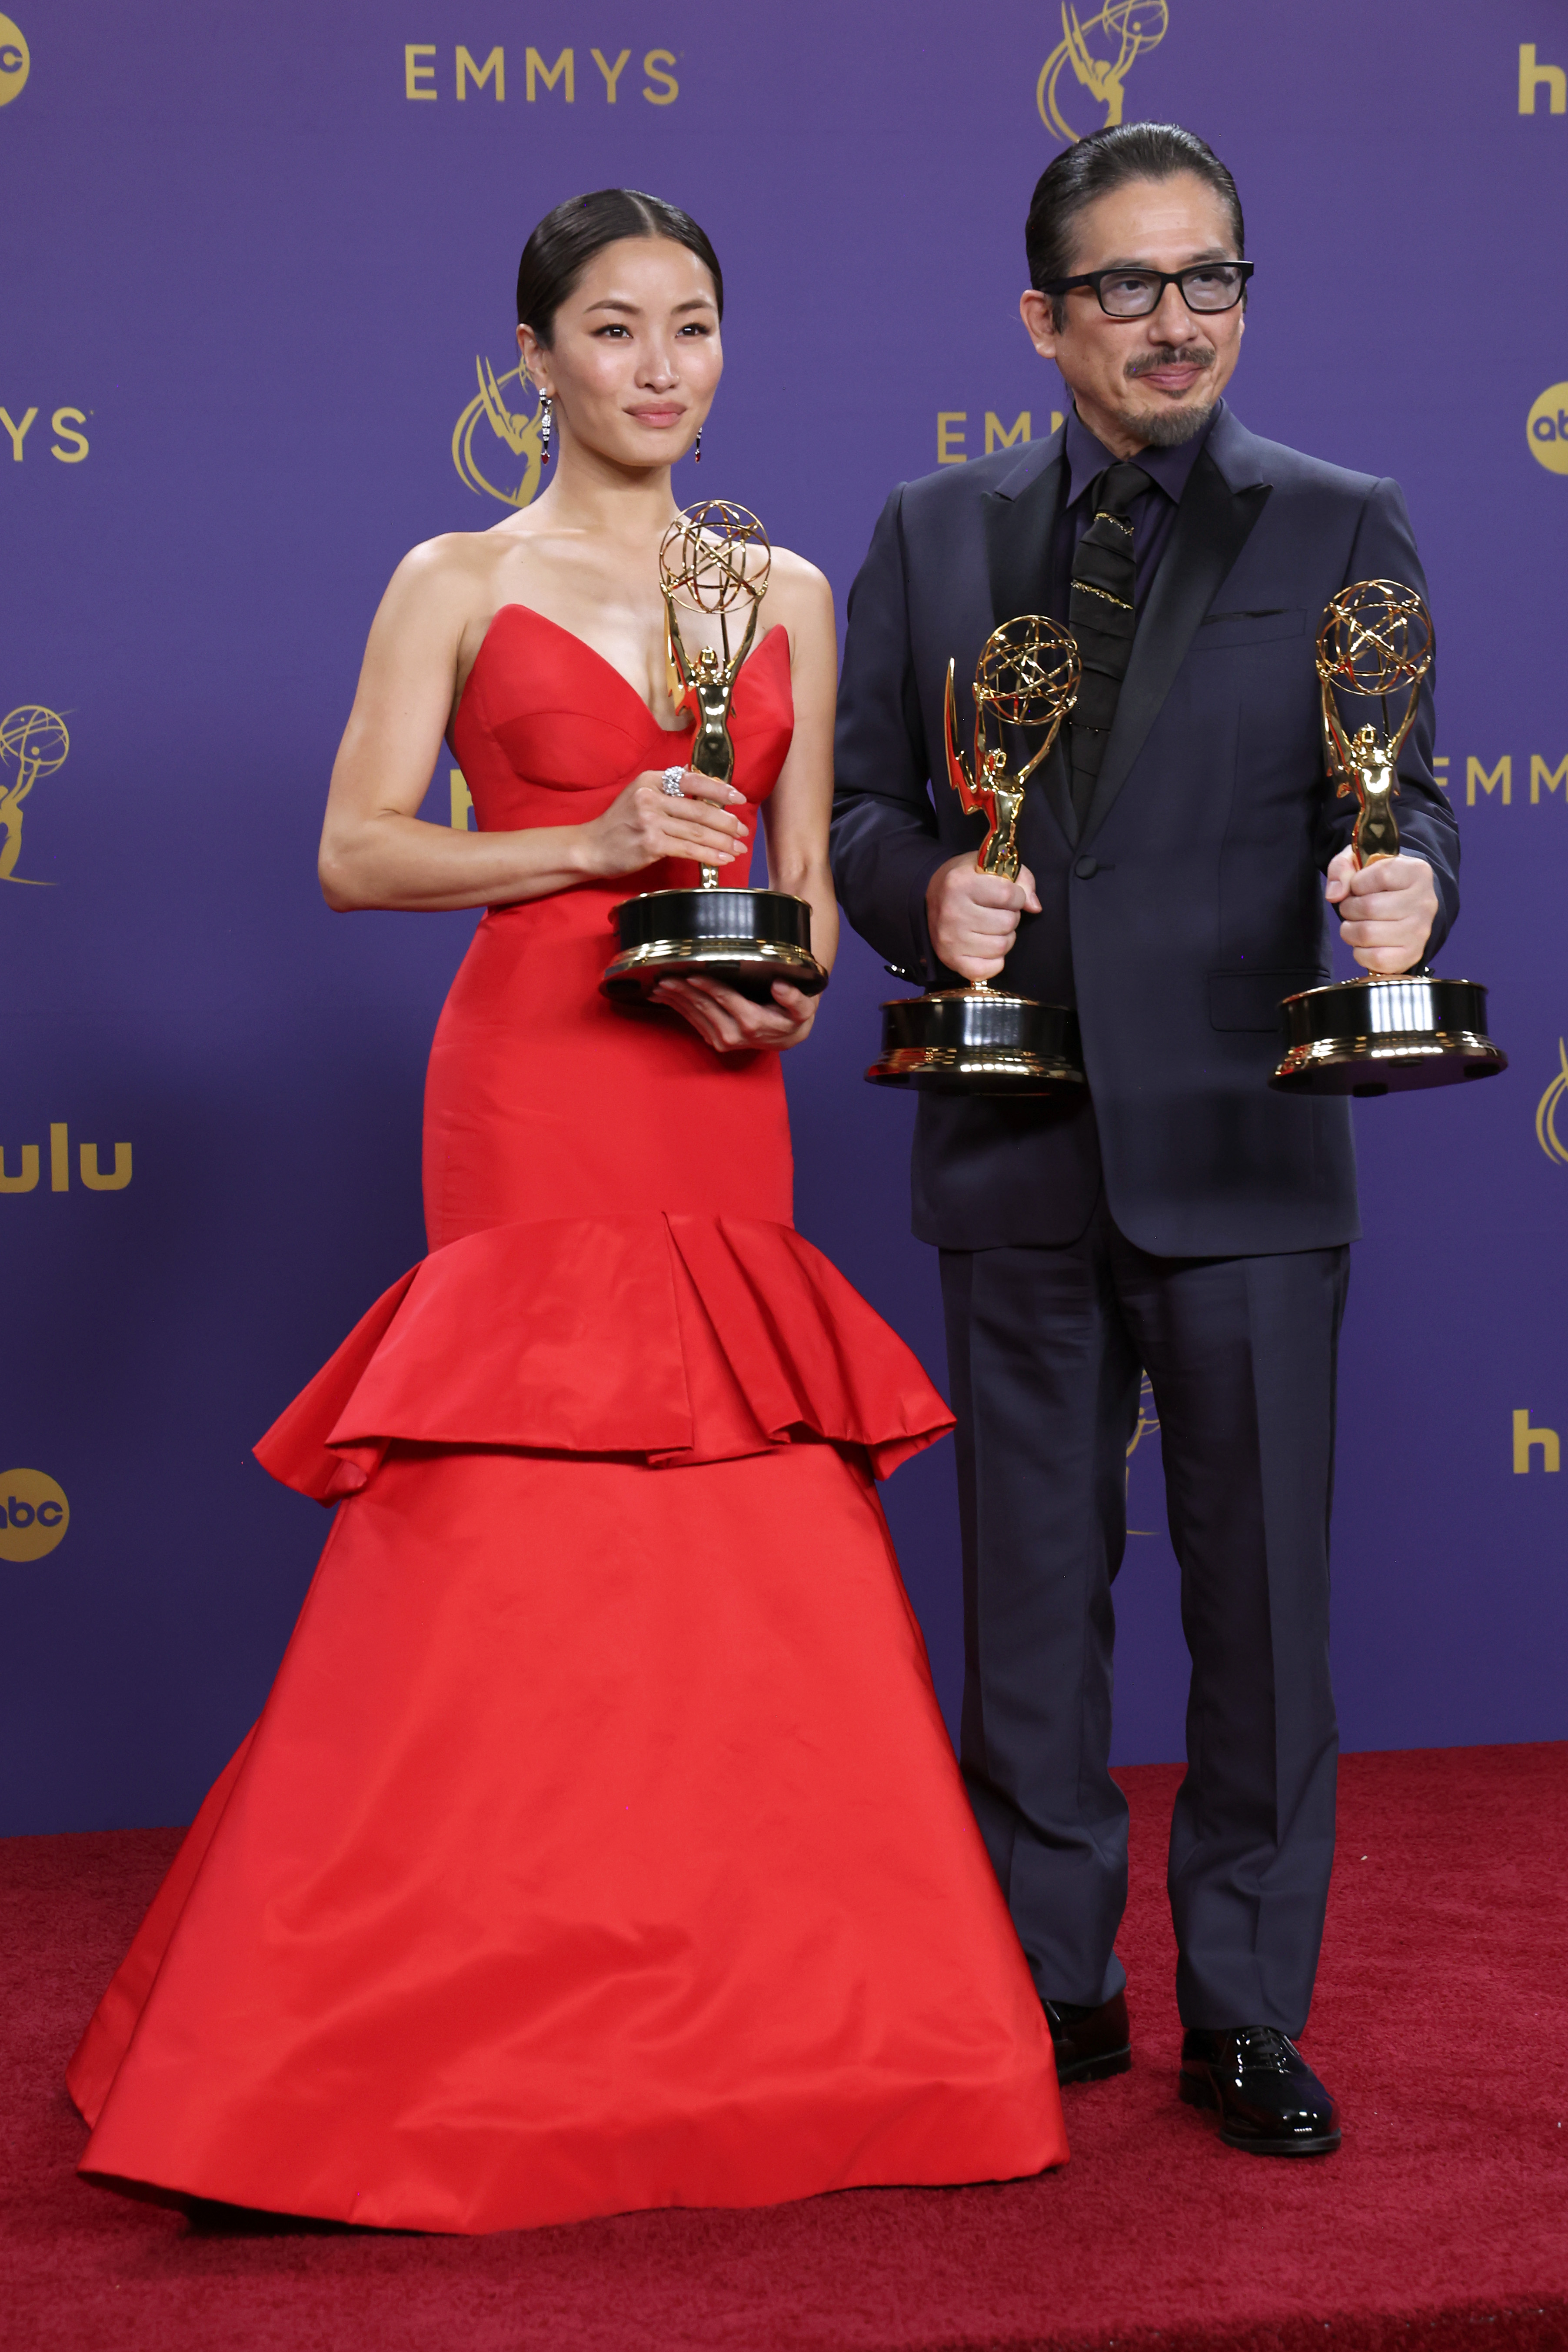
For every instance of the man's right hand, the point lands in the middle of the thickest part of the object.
(973, 917)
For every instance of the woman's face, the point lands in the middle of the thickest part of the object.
(636, 357)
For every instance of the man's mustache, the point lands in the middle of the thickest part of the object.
(1198, 355)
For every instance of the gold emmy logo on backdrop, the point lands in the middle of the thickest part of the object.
(35, 742)
(511, 437)
(1130, 28)
(1148, 1419)
(1546, 1133)
(1147, 1425)
(14, 62)
(34, 1514)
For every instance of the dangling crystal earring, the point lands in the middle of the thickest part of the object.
(547, 410)
(697, 451)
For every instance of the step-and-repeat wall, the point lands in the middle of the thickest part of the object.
(259, 266)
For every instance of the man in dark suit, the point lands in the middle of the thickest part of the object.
(1178, 1217)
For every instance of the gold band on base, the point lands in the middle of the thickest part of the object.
(1386, 1034)
(977, 1041)
(636, 973)
(1475, 1055)
(985, 1072)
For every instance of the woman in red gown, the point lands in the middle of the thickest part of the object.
(600, 1845)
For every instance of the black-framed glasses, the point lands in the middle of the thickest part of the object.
(1205, 288)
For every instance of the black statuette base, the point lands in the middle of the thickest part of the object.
(746, 938)
(978, 1041)
(1386, 1036)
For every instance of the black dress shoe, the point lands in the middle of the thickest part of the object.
(1089, 2044)
(1270, 2100)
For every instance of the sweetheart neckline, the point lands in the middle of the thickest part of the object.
(513, 605)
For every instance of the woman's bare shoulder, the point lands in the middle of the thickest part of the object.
(797, 587)
(450, 575)
(453, 558)
(792, 570)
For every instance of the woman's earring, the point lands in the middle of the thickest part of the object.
(697, 452)
(547, 410)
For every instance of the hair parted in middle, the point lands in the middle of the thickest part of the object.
(1093, 168)
(566, 241)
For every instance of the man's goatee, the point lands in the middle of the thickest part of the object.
(1167, 428)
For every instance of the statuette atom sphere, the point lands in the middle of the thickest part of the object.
(1028, 672)
(713, 555)
(1375, 636)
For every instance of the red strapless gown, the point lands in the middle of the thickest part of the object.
(600, 1845)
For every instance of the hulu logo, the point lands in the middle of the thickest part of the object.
(90, 1173)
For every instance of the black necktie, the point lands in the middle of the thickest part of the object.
(1100, 616)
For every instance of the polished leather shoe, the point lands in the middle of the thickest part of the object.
(1270, 2100)
(1089, 2044)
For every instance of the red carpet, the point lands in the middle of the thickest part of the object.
(1441, 2021)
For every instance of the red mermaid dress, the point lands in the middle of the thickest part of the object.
(600, 1845)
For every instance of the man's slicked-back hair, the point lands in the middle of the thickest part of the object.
(566, 241)
(1107, 160)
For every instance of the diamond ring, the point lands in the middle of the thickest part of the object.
(670, 782)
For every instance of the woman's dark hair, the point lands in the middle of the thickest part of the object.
(1107, 160)
(566, 240)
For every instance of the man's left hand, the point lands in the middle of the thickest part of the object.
(1386, 910)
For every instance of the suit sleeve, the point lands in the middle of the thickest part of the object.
(885, 843)
(1384, 549)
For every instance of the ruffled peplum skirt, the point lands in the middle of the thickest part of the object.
(600, 1846)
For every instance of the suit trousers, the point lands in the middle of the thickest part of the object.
(1045, 1346)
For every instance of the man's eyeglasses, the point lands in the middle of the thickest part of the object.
(1207, 287)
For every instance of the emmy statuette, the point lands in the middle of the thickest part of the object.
(1379, 1035)
(982, 1039)
(714, 559)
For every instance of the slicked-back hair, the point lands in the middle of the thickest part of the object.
(1093, 168)
(566, 241)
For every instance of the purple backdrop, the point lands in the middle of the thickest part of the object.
(248, 278)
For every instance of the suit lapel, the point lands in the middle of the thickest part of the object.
(1017, 561)
(1212, 527)
(1018, 542)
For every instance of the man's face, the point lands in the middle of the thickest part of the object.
(1151, 381)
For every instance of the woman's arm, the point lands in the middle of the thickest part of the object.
(794, 823)
(376, 851)
(796, 813)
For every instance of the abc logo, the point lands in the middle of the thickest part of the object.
(1547, 426)
(14, 61)
(34, 1514)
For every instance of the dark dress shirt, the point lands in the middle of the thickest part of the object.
(1152, 515)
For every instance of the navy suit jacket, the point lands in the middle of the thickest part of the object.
(1193, 900)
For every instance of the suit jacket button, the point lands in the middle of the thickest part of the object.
(1087, 869)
